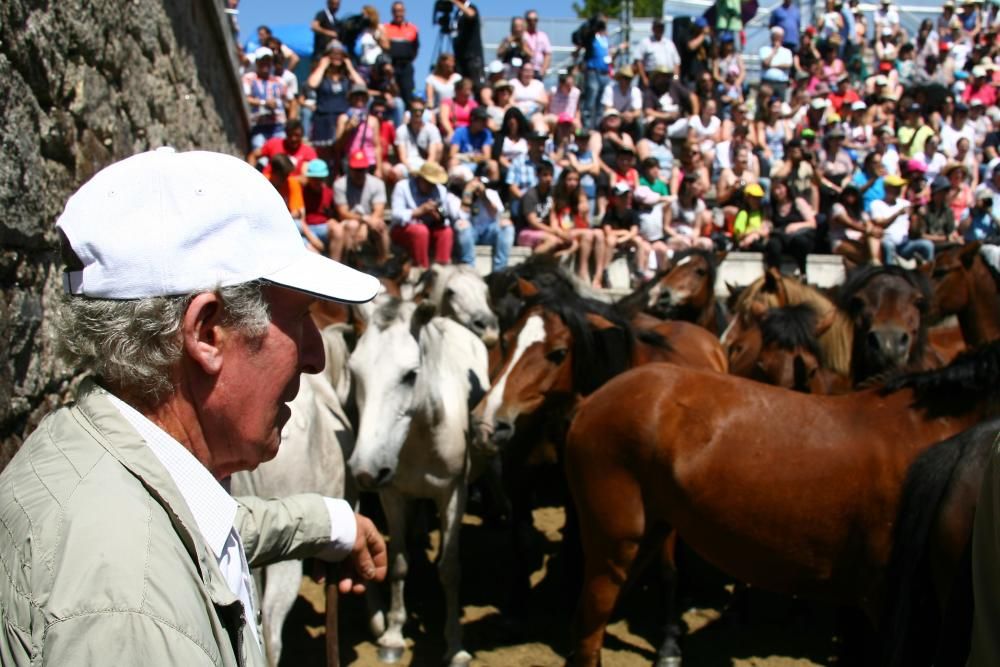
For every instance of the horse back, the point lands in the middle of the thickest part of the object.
(687, 345)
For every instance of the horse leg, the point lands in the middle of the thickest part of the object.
(281, 588)
(391, 643)
(450, 509)
(669, 652)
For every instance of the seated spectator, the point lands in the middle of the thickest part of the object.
(471, 146)
(480, 222)
(733, 182)
(916, 190)
(417, 141)
(836, 163)
(360, 200)
(728, 68)
(773, 131)
(793, 227)
(421, 215)
(980, 225)
(667, 98)
(530, 96)
(960, 197)
(852, 234)
(382, 83)
(797, 167)
(843, 96)
(980, 89)
(892, 215)
(992, 185)
(441, 82)
(692, 164)
(958, 127)
(322, 231)
(621, 96)
(687, 220)
(265, 94)
(577, 149)
(564, 101)
(751, 226)
(511, 142)
(707, 129)
(299, 152)
(360, 131)
(655, 144)
(455, 113)
(937, 221)
(776, 62)
(569, 219)
(290, 189)
(869, 180)
(620, 225)
(860, 139)
(522, 174)
(967, 158)
(500, 103)
(913, 132)
(378, 109)
(534, 228)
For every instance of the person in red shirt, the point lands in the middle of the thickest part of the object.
(404, 42)
(980, 89)
(843, 95)
(321, 231)
(291, 144)
(380, 109)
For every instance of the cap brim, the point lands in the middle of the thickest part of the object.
(324, 278)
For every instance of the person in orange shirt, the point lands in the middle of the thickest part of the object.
(290, 190)
(404, 43)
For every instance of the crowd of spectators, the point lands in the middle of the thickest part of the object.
(858, 137)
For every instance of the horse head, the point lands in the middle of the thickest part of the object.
(688, 286)
(460, 293)
(951, 279)
(887, 306)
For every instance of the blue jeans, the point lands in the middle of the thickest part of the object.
(594, 82)
(907, 249)
(500, 238)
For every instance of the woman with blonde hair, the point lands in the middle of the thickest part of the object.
(441, 82)
(371, 42)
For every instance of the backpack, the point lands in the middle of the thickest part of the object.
(349, 30)
(583, 37)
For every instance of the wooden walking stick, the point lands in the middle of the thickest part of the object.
(332, 636)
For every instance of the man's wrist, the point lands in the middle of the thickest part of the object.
(343, 530)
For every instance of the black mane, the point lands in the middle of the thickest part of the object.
(791, 327)
(974, 376)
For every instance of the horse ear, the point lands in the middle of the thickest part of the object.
(600, 323)
(775, 284)
(425, 284)
(968, 253)
(733, 289)
(424, 313)
(525, 289)
(825, 322)
(720, 257)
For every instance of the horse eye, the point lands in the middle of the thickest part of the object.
(557, 356)
(701, 273)
(410, 378)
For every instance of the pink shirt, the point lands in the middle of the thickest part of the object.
(459, 113)
(540, 45)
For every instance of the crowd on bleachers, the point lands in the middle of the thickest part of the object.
(859, 137)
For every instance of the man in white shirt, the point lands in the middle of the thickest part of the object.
(417, 141)
(958, 128)
(656, 51)
(891, 215)
(623, 97)
(188, 292)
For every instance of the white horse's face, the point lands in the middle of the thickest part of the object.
(466, 300)
(385, 366)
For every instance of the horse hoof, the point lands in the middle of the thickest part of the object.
(669, 661)
(390, 654)
(460, 659)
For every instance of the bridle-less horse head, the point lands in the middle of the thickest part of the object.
(951, 279)
(385, 366)
(547, 359)
(460, 293)
(887, 306)
(689, 283)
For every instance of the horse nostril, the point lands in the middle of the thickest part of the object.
(904, 340)
(383, 474)
(873, 341)
(365, 480)
(503, 431)
(479, 324)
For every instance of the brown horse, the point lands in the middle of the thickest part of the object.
(685, 291)
(780, 346)
(774, 290)
(965, 285)
(786, 491)
(887, 306)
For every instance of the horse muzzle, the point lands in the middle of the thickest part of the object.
(890, 344)
(371, 481)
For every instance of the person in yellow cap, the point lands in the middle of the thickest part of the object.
(891, 214)
(750, 227)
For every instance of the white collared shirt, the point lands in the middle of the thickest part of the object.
(214, 510)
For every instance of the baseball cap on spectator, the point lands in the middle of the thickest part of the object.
(645, 195)
(317, 169)
(335, 45)
(503, 83)
(358, 89)
(479, 113)
(940, 183)
(810, 30)
(983, 194)
(460, 174)
(358, 160)
(859, 106)
(881, 80)
(916, 167)
(263, 52)
(961, 107)
(432, 172)
(535, 135)
(624, 72)
(961, 75)
(836, 133)
(894, 181)
(495, 67)
(621, 188)
(167, 223)
(565, 118)
(979, 72)
(975, 104)
(727, 37)
(819, 103)
(994, 114)
(658, 21)
(948, 4)
(753, 190)
(808, 134)
(609, 113)
(701, 22)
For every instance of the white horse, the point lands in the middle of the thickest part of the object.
(459, 292)
(315, 443)
(416, 376)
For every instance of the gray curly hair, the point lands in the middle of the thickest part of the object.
(133, 345)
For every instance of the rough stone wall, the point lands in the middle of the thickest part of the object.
(84, 83)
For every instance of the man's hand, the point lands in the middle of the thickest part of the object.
(375, 223)
(368, 560)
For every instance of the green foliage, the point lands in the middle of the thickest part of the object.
(612, 8)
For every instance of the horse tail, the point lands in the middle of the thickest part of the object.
(911, 625)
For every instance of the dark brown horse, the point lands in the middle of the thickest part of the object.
(887, 306)
(786, 491)
(685, 291)
(965, 285)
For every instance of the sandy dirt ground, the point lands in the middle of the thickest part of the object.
(769, 631)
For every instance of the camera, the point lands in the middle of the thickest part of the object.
(442, 15)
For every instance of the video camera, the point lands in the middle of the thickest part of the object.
(442, 15)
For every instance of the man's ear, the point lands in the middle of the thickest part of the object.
(202, 332)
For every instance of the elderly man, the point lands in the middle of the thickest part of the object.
(422, 215)
(188, 294)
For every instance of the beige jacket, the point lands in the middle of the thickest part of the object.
(103, 564)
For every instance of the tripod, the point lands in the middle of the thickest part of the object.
(442, 44)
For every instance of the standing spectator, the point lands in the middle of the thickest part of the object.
(265, 93)
(382, 83)
(656, 51)
(360, 201)
(728, 16)
(404, 44)
(468, 42)
(698, 51)
(777, 62)
(324, 26)
(538, 42)
(370, 42)
(787, 17)
(480, 222)
(440, 84)
(514, 51)
(421, 215)
(597, 60)
(332, 79)
(621, 96)
(299, 152)
(417, 141)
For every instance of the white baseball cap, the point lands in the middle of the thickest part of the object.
(164, 223)
(263, 52)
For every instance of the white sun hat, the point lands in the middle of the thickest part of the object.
(164, 223)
